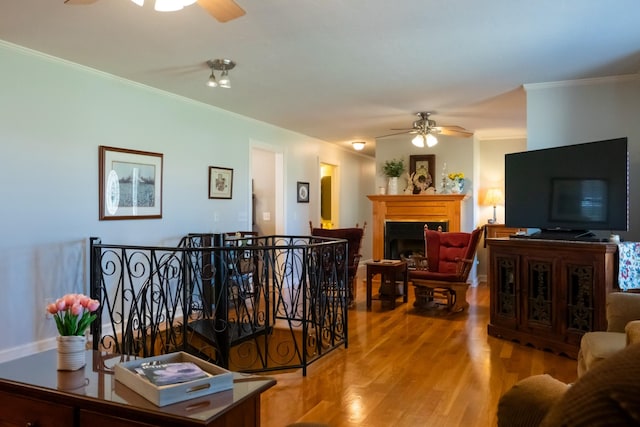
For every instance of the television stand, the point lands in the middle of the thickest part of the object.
(548, 293)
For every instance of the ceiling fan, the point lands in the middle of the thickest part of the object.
(222, 10)
(426, 129)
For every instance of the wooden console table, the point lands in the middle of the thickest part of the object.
(34, 393)
(548, 293)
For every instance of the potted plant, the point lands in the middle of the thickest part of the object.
(73, 314)
(392, 169)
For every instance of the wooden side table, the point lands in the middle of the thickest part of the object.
(388, 269)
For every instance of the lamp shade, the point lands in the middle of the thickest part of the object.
(418, 140)
(494, 197)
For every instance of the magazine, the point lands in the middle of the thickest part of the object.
(171, 373)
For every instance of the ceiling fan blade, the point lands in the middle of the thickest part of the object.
(454, 131)
(79, 1)
(397, 133)
(222, 10)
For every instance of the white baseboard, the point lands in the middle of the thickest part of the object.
(27, 349)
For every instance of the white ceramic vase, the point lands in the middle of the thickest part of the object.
(457, 186)
(71, 352)
(392, 186)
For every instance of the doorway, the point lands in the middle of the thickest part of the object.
(267, 200)
(328, 196)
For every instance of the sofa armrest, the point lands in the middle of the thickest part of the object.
(622, 308)
(529, 401)
(633, 332)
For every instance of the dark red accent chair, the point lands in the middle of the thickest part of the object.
(353, 236)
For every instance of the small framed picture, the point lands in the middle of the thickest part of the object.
(220, 182)
(424, 167)
(303, 192)
(130, 184)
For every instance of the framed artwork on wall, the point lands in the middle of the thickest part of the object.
(424, 167)
(220, 182)
(303, 192)
(130, 184)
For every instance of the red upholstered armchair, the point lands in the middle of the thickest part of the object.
(449, 259)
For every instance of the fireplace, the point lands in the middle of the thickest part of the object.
(402, 239)
(412, 208)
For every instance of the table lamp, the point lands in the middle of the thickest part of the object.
(493, 198)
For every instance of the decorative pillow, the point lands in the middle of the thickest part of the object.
(629, 270)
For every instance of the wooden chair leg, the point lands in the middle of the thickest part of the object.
(461, 302)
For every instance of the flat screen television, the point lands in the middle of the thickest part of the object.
(570, 190)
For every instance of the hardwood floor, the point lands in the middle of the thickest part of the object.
(406, 367)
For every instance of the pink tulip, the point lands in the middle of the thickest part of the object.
(70, 299)
(61, 304)
(84, 300)
(77, 309)
(93, 305)
(52, 308)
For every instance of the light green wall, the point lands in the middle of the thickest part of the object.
(53, 117)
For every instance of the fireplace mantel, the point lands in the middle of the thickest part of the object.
(432, 207)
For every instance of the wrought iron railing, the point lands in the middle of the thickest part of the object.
(249, 303)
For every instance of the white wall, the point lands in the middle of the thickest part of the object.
(458, 154)
(53, 117)
(491, 175)
(564, 113)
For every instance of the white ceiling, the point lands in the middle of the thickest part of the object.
(345, 70)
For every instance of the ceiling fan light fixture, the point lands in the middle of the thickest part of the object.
(358, 145)
(431, 140)
(224, 81)
(212, 80)
(418, 140)
(168, 5)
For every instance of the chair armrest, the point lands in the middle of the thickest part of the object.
(463, 267)
(622, 308)
(633, 332)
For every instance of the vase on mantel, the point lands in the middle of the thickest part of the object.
(457, 186)
(392, 185)
(71, 352)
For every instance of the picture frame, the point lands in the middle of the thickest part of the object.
(220, 182)
(303, 192)
(130, 184)
(421, 165)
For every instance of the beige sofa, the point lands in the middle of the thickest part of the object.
(622, 309)
(606, 394)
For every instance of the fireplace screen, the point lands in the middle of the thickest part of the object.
(403, 239)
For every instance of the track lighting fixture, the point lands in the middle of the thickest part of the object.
(223, 65)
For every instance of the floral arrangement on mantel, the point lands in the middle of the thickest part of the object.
(393, 168)
(456, 176)
(73, 313)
